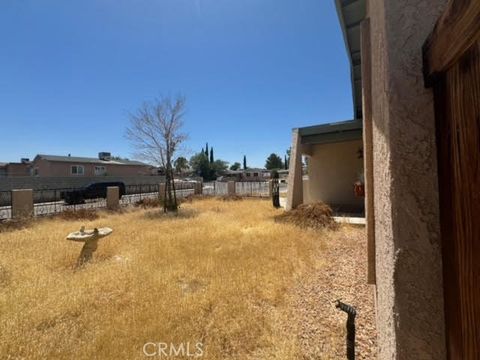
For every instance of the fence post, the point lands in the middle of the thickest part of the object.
(231, 188)
(270, 188)
(198, 188)
(22, 203)
(161, 191)
(113, 197)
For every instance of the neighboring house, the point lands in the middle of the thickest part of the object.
(254, 174)
(416, 82)
(11, 169)
(3, 169)
(104, 165)
(334, 164)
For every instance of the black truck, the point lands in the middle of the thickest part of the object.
(91, 191)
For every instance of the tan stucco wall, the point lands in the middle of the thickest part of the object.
(18, 169)
(57, 168)
(410, 321)
(332, 171)
(22, 203)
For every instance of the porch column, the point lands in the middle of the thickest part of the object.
(295, 183)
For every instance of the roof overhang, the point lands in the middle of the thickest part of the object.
(331, 133)
(351, 14)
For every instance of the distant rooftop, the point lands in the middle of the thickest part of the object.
(78, 159)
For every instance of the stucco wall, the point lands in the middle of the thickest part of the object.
(332, 171)
(410, 319)
(58, 168)
(18, 169)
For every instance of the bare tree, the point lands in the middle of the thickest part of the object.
(155, 132)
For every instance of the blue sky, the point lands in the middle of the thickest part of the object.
(251, 70)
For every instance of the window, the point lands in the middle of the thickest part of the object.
(255, 174)
(248, 174)
(77, 170)
(35, 171)
(100, 170)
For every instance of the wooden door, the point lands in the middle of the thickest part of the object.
(452, 68)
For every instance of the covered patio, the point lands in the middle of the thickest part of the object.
(333, 155)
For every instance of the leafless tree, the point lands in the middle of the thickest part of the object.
(155, 132)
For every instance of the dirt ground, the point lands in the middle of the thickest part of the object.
(340, 274)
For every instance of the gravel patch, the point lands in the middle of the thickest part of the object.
(340, 274)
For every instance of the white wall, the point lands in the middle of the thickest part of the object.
(332, 171)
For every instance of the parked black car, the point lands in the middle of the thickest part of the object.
(92, 191)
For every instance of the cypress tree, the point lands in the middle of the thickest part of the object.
(244, 162)
(211, 155)
(286, 163)
(206, 150)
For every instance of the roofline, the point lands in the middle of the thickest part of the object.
(338, 6)
(331, 127)
(91, 161)
(330, 133)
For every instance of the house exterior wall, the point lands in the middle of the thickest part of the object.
(332, 170)
(410, 320)
(59, 169)
(18, 169)
(66, 182)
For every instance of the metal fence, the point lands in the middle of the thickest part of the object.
(137, 193)
(5, 205)
(48, 202)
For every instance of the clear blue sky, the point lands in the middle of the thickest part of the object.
(251, 70)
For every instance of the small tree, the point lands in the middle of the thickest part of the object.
(201, 165)
(181, 164)
(219, 167)
(235, 166)
(211, 156)
(155, 131)
(244, 162)
(274, 162)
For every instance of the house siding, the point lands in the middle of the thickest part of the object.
(61, 169)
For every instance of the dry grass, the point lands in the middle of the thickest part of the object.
(80, 214)
(218, 273)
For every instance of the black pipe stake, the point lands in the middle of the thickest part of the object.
(351, 312)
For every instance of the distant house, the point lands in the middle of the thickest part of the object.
(10, 169)
(54, 165)
(246, 175)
